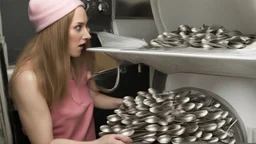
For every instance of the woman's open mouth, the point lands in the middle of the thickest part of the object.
(81, 46)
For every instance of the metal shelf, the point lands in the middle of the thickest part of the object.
(235, 63)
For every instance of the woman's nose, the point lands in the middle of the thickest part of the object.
(87, 34)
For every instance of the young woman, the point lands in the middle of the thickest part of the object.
(52, 86)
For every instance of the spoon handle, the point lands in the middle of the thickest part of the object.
(231, 125)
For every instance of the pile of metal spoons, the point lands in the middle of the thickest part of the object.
(205, 37)
(171, 117)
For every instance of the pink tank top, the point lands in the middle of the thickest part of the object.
(72, 118)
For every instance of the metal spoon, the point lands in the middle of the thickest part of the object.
(113, 118)
(127, 132)
(142, 107)
(106, 128)
(152, 127)
(141, 93)
(214, 116)
(117, 128)
(128, 103)
(213, 140)
(148, 102)
(200, 113)
(198, 106)
(155, 110)
(162, 122)
(126, 121)
(177, 112)
(206, 136)
(198, 134)
(221, 134)
(142, 114)
(131, 110)
(220, 123)
(183, 100)
(224, 114)
(152, 119)
(119, 112)
(142, 134)
(186, 106)
(208, 127)
(167, 104)
(177, 132)
(169, 118)
(191, 128)
(111, 123)
(164, 139)
(186, 118)
(184, 139)
(152, 91)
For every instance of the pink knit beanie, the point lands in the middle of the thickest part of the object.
(43, 13)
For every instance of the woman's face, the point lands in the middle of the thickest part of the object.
(78, 32)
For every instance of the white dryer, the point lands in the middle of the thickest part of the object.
(230, 75)
(221, 76)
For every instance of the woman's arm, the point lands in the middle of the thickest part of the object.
(102, 101)
(33, 110)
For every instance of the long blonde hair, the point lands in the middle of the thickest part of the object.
(50, 60)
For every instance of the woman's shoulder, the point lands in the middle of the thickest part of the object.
(24, 88)
(24, 78)
(24, 75)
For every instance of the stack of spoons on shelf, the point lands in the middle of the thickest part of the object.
(205, 37)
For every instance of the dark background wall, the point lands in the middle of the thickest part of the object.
(16, 26)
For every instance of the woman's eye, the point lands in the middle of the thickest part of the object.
(78, 27)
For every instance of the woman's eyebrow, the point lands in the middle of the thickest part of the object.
(80, 23)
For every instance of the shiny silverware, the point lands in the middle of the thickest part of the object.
(171, 116)
(206, 37)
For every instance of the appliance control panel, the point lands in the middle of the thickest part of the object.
(99, 13)
(98, 7)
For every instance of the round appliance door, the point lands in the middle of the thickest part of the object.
(216, 101)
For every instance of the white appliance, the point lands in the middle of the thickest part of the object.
(231, 74)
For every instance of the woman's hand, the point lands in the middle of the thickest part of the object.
(118, 102)
(113, 139)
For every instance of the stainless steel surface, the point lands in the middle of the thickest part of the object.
(125, 9)
(236, 63)
(186, 127)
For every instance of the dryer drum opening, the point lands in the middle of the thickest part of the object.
(186, 114)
